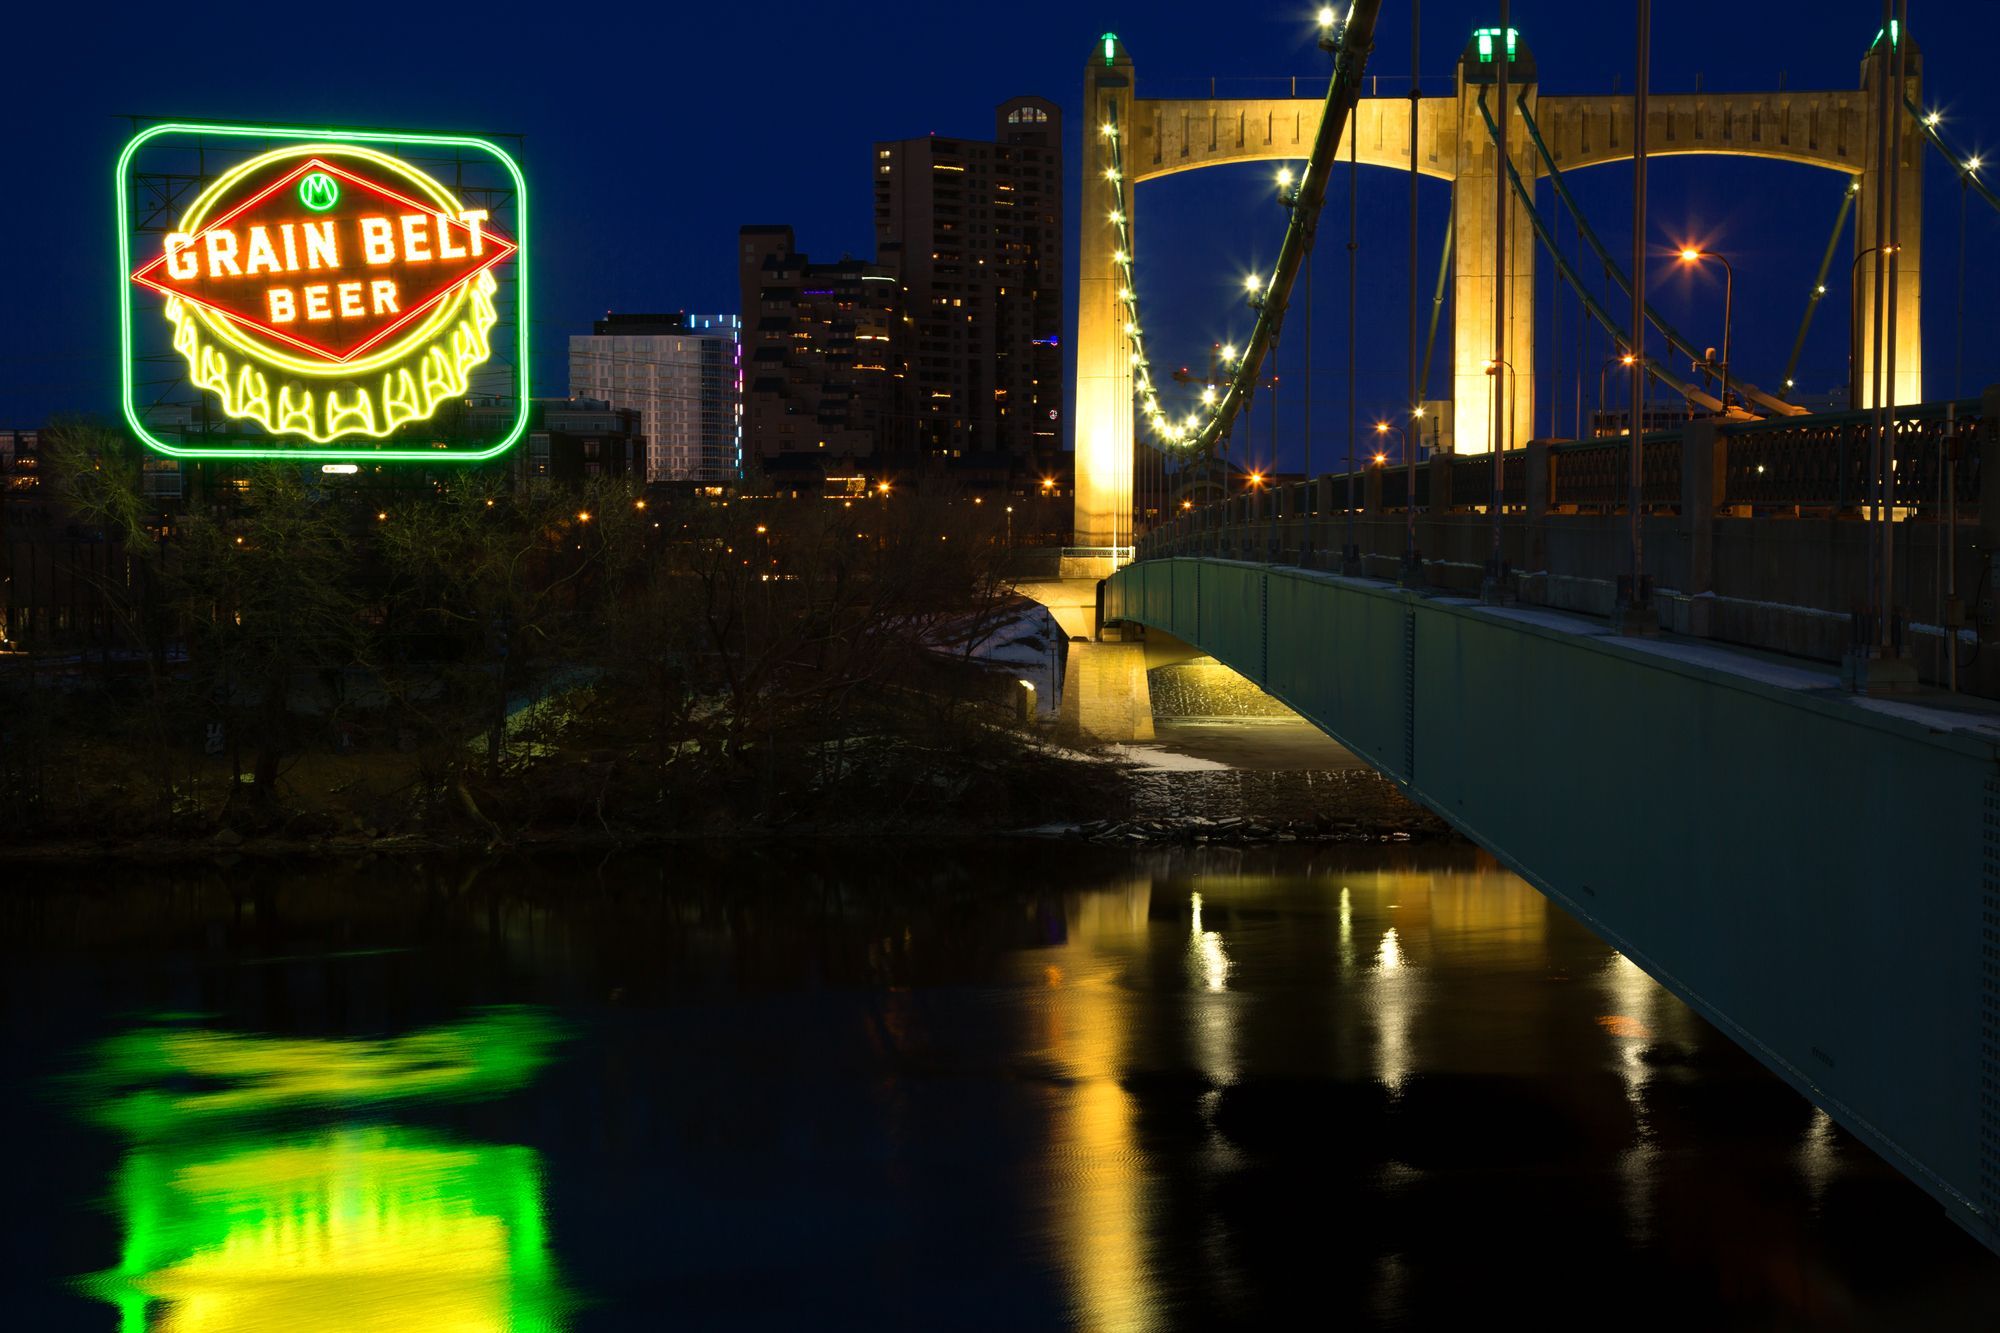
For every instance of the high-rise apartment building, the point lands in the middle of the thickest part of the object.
(683, 375)
(974, 231)
(822, 374)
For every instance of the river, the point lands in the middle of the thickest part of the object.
(1008, 1085)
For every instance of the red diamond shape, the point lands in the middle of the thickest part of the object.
(271, 206)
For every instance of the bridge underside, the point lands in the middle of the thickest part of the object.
(1805, 868)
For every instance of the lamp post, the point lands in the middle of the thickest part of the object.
(1854, 319)
(1499, 462)
(1692, 255)
(1626, 360)
(1383, 428)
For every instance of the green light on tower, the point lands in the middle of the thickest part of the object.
(1485, 36)
(1110, 48)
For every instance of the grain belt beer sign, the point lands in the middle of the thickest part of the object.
(322, 294)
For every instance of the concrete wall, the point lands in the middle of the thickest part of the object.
(1818, 875)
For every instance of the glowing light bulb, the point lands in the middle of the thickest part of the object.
(1326, 16)
(1381, 428)
(1208, 395)
(1253, 283)
(1689, 255)
(1120, 257)
(1972, 164)
(1117, 216)
(1108, 130)
(1111, 173)
(1932, 119)
(1284, 178)
(1229, 351)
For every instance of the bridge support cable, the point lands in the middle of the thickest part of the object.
(1620, 338)
(1350, 42)
(1819, 286)
(1437, 309)
(1959, 162)
(1674, 337)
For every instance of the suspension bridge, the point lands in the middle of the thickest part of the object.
(1719, 690)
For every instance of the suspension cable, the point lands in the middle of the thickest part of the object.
(1620, 337)
(1819, 286)
(1351, 44)
(1675, 338)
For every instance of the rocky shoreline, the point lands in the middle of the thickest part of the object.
(1237, 830)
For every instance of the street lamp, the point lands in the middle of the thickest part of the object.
(1626, 360)
(1854, 366)
(1383, 428)
(1692, 255)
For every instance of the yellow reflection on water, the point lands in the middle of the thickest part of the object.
(1098, 1185)
(356, 1230)
(233, 1225)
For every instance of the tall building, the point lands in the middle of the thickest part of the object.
(683, 375)
(821, 373)
(974, 231)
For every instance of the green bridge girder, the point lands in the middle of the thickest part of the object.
(1816, 873)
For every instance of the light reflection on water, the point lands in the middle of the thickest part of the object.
(1022, 1087)
(234, 1220)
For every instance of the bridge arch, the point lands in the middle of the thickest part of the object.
(1165, 136)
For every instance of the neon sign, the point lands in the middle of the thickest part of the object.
(327, 297)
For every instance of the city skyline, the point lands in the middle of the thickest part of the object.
(636, 223)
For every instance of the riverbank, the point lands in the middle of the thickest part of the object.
(1170, 792)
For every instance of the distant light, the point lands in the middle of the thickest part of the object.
(1627, 359)
(1417, 412)
(1116, 216)
(1326, 16)
(1381, 459)
(1229, 351)
(1972, 164)
(344, 469)
(1932, 119)
(1284, 178)
(1208, 394)
(382, 518)
(1253, 283)
(1381, 428)
(583, 516)
(1689, 256)
(1821, 289)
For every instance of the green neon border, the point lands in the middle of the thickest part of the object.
(330, 452)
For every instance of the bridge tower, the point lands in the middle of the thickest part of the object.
(1835, 130)
(1104, 439)
(1475, 222)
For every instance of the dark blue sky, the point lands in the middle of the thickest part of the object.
(654, 131)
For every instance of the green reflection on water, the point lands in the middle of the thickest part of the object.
(229, 1225)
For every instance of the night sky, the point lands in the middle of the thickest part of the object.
(653, 132)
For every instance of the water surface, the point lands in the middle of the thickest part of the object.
(880, 1085)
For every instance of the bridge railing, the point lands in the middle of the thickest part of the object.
(1754, 531)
